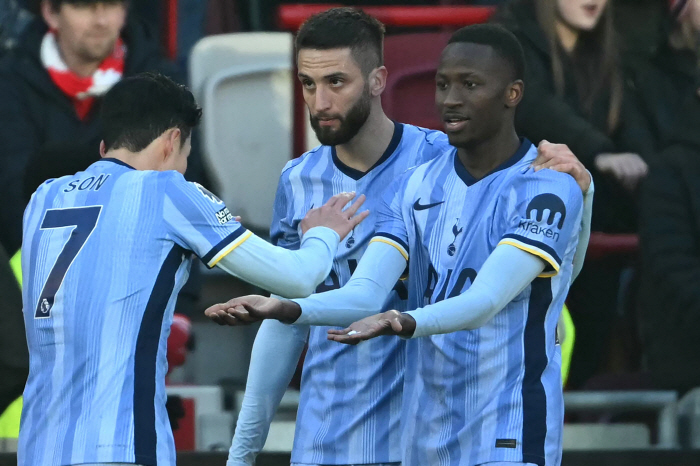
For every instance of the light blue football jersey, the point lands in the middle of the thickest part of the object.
(494, 393)
(105, 253)
(350, 404)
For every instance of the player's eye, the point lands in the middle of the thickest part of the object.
(469, 84)
(336, 82)
(308, 84)
(442, 85)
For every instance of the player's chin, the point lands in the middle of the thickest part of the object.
(459, 138)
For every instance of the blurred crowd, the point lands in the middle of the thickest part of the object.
(621, 89)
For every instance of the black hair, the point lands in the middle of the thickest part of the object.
(499, 39)
(56, 4)
(342, 28)
(139, 109)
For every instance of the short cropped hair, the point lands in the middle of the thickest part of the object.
(56, 4)
(139, 109)
(342, 28)
(498, 38)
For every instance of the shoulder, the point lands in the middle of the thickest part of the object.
(52, 182)
(312, 157)
(416, 175)
(176, 182)
(433, 139)
(546, 185)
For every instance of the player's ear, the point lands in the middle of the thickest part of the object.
(514, 93)
(377, 81)
(172, 142)
(103, 149)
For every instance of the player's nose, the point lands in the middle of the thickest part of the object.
(453, 98)
(322, 101)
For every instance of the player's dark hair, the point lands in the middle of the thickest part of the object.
(56, 4)
(499, 39)
(139, 109)
(345, 28)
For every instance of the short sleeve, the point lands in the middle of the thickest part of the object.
(199, 221)
(283, 232)
(542, 214)
(391, 227)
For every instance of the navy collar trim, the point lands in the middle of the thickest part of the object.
(117, 161)
(515, 158)
(357, 174)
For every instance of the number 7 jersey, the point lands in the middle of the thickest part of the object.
(105, 253)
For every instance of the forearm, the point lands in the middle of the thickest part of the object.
(273, 361)
(585, 234)
(504, 275)
(292, 274)
(365, 293)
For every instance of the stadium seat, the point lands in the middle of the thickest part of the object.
(412, 61)
(606, 437)
(244, 84)
(206, 425)
(624, 435)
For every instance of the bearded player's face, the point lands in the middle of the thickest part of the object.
(336, 93)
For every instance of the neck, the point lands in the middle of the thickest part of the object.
(568, 36)
(76, 64)
(368, 145)
(139, 160)
(483, 157)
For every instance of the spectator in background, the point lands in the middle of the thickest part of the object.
(50, 90)
(669, 80)
(51, 86)
(670, 246)
(575, 95)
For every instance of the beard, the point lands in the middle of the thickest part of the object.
(350, 124)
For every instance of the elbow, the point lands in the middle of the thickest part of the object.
(300, 289)
(477, 322)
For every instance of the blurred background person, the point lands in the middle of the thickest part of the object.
(670, 250)
(51, 86)
(669, 79)
(576, 95)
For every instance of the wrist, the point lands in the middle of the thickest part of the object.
(289, 311)
(408, 324)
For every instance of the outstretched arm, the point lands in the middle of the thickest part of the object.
(294, 273)
(281, 271)
(365, 294)
(504, 275)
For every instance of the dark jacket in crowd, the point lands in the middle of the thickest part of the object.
(38, 123)
(670, 247)
(661, 90)
(542, 114)
(14, 360)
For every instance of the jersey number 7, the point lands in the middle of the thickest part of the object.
(83, 220)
